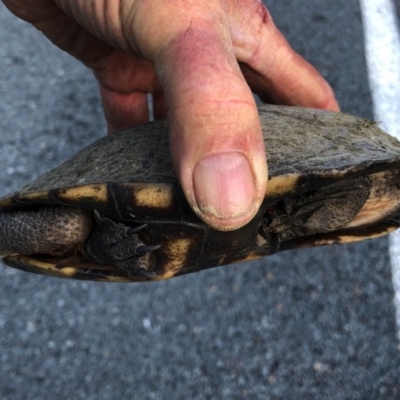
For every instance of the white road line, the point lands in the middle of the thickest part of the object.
(382, 44)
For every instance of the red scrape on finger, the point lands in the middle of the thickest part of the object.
(264, 13)
(252, 5)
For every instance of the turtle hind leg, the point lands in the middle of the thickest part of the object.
(117, 244)
(47, 230)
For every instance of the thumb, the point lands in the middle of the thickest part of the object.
(215, 134)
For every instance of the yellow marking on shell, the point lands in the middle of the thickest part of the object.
(383, 200)
(279, 185)
(33, 197)
(373, 211)
(154, 195)
(177, 251)
(68, 272)
(248, 257)
(354, 238)
(46, 267)
(335, 173)
(8, 202)
(286, 184)
(97, 192)
(71, 272)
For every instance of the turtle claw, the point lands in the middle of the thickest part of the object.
(147, 249)
(144, 273)
(135, 229)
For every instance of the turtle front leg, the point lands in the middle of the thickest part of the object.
(117, 244)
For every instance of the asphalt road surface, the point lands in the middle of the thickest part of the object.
(307, 324)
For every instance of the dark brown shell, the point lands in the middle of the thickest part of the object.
(129, 177)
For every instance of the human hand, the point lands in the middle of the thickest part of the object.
(201, 60)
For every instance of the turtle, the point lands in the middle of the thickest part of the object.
(115, 211)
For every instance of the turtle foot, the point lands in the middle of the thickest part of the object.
(117, 244)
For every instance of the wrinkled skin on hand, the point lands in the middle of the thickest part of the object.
(200, 60)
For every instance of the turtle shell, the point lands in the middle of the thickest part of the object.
(333, 178)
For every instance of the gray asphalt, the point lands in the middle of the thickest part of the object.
(307, 324)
